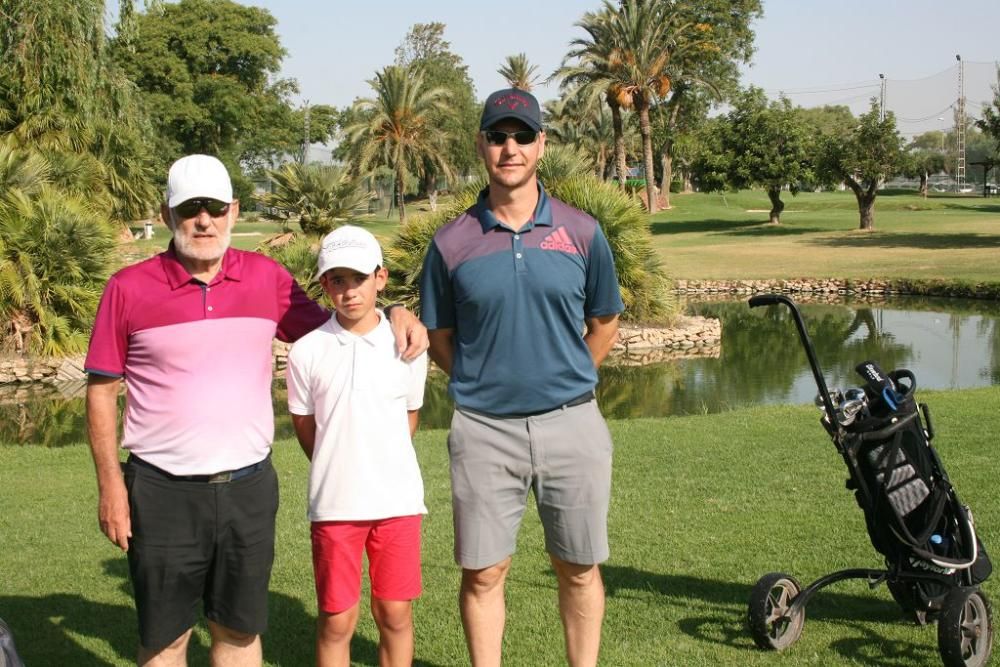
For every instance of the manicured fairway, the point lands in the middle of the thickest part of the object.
(716, 236)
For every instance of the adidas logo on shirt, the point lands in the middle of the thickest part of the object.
(559, 240)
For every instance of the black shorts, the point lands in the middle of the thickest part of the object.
(199, 540)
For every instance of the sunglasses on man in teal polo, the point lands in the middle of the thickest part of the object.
(191, 208)
(499, 137)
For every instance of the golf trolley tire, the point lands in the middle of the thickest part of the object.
(965, 628)
(770, 625)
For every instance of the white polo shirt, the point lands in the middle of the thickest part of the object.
(359, 389)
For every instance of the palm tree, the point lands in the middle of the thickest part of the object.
(519, 72)
(640, 31)
(396, 130)
(317, 196)
(578, 119)
(593, 74)
(56, 251)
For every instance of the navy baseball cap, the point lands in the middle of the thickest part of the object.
(511, 103)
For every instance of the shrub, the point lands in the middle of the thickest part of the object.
(644, 285)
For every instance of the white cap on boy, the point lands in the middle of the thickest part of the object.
(349, 247)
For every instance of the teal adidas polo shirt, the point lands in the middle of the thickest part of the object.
(517, 302)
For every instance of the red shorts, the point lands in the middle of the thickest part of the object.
(393, 547)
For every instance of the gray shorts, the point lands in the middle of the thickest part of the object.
(564, 456)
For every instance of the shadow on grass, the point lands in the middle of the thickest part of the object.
(665, 227)
(49, 629)
(726, 623)
(735, 228)
(777, 230)
(923, 241)
(979, 208)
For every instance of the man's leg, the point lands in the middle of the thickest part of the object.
(174, 655)
(481, 602)
(234, 649)
(581, 606)
(333, 637)
(394, 619)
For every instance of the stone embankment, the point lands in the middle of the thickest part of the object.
(688, 337)
(838, 286)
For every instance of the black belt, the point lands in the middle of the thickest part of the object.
(217, 478)
(571, 403)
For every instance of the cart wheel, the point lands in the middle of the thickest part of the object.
(965, 628)
(768, 619)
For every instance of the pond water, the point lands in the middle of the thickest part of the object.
(947, 343)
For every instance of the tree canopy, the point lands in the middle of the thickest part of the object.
(990, 122)
(767, 144)
(207, 73)
(425, 50)
(863, 158)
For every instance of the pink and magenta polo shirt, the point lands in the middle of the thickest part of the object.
(196, 357)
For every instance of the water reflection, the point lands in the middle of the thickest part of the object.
(947, 343)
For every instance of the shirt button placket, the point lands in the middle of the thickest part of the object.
(518, 249)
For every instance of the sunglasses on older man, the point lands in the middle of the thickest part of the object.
(192, 207)
(499, 138)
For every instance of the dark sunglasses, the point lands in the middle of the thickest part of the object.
(192, 207)
(499, 138)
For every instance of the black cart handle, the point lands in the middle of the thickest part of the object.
(767, 300)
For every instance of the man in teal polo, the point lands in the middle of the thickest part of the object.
(521, 300)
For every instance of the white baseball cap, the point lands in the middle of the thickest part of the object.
(349, 247)
(198, 176)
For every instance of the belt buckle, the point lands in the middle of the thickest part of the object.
(221, 477)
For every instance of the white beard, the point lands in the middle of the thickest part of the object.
(184, 246)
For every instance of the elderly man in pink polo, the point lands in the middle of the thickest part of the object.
(189, 331)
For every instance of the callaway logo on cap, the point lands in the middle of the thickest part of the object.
(511, 103)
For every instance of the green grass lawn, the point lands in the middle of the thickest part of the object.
(726, 236)
(702, 507)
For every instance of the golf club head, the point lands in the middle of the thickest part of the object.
(855, 394)
(836, 396)
(849, 410)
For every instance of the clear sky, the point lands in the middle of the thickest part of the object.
(803, 46)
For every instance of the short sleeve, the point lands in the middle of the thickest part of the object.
(418, 379)
(298, 380)
(603, 295)
(297, 313)
(108, 349)
(437, 303)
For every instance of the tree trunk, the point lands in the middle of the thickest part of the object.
(621, 169)
(667, 163)
(923, 183)
(866, 208)
(777, 206)
(866, 202)
(667, 153)
(430, 188)
(647, 156)
(602, 162)
(399, 196)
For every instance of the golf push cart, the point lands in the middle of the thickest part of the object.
(934, 562)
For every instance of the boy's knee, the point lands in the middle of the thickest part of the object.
(393, 616)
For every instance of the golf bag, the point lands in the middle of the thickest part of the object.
(934, 562)
(913, 514)
(8, 653)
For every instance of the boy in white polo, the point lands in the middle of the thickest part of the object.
(354, 406)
